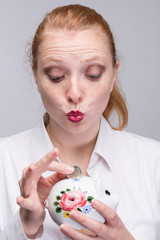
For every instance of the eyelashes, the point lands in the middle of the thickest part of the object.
(92, 73)
(57, 79)
(54, 74)
(94, 77)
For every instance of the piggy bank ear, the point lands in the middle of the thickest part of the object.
(46, 203)
(107, 192)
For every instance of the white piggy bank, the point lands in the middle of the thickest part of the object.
(77, 194)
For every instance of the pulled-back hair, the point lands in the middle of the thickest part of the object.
(78, 17)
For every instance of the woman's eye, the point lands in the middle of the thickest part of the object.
(93, 77)
(94, 72)
(54, 74)
(56, 78)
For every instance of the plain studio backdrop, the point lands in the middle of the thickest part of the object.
(136, 28)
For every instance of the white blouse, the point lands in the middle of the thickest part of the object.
(126, 164)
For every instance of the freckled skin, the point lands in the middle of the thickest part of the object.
(75, 55)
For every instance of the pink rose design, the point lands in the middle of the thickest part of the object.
(72, 200)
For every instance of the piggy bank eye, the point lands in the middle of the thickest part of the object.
(107, 192)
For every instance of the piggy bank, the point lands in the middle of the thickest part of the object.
(77, 194)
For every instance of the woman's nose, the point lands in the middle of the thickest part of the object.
(74, 91)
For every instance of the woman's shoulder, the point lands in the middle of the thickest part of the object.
(139, 141)
(25, 147)
(123, 139)
(16, 139)
(20, 142)
(140, 148)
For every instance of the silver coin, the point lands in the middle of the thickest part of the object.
(76, 173)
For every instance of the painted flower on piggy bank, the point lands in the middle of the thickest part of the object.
(72, 200)
(77, 194)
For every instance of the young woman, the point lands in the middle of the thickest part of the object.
(75, 68)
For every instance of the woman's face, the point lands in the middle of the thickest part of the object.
(75, 76)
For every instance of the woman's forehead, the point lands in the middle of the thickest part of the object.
(63, 44)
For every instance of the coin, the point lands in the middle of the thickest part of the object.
(76, 173)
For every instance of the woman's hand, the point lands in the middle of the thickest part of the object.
(35, 189)
(113, 228)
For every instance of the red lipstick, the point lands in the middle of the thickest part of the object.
(75, 116)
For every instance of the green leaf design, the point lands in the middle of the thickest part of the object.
(58, 209)
(58, 197)
(68, 189)
(89, 199)
(62, 192)
(79, 209)
(56, 203)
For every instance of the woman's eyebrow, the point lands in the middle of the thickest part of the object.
(94, 59)
(47, 62)
(51, 59)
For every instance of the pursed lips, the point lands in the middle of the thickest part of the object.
(75, 116)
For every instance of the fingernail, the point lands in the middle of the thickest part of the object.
(31, 167)
(70, 169)
(64, 228)
(51, 153)
(95, 203)
(19, 200)
(74, 214)
(55, 150)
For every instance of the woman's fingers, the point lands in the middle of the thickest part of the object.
(26, 183)
(56, 177)
(60, 167)
(74, 234)
(48, 163)
(31, 204)
(45, 184)
(99, 229)
(110, 216)
(32, 174)
(25, 203)
(95, 227)
(44, 162)
(34, 171)
(114, 225)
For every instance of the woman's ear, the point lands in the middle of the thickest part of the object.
(35, 76)
(115, 73)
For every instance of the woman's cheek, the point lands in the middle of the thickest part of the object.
(102, 98)
(48, 94)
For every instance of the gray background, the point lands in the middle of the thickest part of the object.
(136, 28)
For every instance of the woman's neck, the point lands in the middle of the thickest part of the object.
(75, 148)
